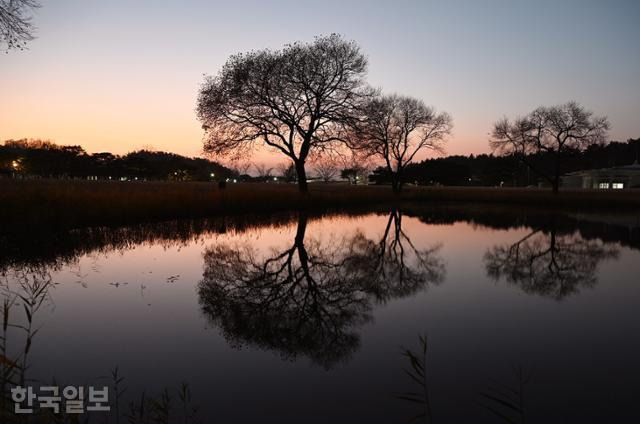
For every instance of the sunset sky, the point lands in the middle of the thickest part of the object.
(119, 75)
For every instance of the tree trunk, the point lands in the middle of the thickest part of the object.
(302, 177)
(556, 176)
(394, 187)
(302, 227)
(396, 183)
(303, 255)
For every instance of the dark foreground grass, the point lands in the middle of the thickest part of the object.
(71, 204)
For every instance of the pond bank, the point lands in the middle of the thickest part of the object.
(73, 204)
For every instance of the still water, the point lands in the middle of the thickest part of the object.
(527, 316)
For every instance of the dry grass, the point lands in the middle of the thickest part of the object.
(67, 203)
(568, 199)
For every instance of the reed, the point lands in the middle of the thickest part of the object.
(418, 375)
(77, 203)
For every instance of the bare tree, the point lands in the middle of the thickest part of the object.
(262, 170)
(555, 130)
(396, 267)
(148, 147)
(238, 167)
(300, 300)
(287, 171)
(548, 263)
(310, 297)
(298, 100)
(281, 169)
(242, 167)
(326, 168)
(395, 128)
(16, 28)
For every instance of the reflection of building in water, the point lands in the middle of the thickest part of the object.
(617, 177)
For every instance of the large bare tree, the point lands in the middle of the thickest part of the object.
(298, 100)
(16, 28)
(396, 128)
(555, 130)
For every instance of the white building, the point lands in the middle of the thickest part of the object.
(617, 177)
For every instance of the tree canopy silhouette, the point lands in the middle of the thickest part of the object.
(299, 100)
(396, 128)
(16, 28)
(556, 130)
(310, 298)
(396, 267)
(44, 158)
(549, 264)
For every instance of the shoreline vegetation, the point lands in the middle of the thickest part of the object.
(67, 204)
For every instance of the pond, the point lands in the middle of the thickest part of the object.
(524, 315)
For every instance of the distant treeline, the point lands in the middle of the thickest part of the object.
(37, 158)
(45, 159)
(490, 170)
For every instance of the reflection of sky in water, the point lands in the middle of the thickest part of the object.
(583, 349)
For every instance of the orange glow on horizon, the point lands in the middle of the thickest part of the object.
(121, 121)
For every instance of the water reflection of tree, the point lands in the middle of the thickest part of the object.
(548, 263)
(396, 267)
(310, 298)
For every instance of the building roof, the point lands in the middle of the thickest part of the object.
(633, 168)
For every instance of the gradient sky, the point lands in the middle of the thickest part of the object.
(118, 75)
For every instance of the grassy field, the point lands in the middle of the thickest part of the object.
(69, 203)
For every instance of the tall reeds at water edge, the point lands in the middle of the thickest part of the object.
(74, 203)
(21, 302)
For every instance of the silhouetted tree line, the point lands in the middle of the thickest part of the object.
(45, 159)
(492, 170)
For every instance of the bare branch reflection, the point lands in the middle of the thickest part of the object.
(548, 263)
(310, 298)
(397, 268)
